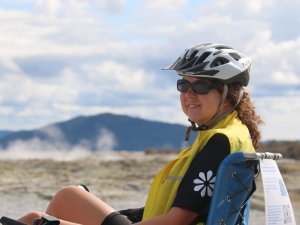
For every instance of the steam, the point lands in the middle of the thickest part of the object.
(56, 147)
(106, 141)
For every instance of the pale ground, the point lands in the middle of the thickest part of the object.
(121, 179)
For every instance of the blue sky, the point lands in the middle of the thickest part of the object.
(60, 59)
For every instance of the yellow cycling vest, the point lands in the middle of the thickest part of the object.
(165, 184)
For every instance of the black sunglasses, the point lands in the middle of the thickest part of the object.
(201, 87)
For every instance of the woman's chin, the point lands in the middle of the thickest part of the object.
(197, 120)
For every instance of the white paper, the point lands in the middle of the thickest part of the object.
(278, 207)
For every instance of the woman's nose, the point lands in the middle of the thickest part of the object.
(190, 92)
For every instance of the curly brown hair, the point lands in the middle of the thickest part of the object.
(245, 109)
(246, 112)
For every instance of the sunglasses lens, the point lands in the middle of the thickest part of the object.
(183, 85)
(199, 87)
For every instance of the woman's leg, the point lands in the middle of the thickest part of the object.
(75, 205)
(29, 218)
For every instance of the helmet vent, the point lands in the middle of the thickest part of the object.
(202, 58)
(218, 62)
(192, 55)
(235, 56)
(218, 52)
(223, 47)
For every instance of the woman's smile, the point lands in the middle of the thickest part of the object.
(192, 106)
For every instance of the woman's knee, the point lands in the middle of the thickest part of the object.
(37, 214)
(65, 196)
(68, 191)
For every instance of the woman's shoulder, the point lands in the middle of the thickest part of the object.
(219, 137)
(235, 130)
(237, 136)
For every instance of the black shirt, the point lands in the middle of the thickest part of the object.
(195, 190)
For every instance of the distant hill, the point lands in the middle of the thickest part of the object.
(126, 132)
(5, 133)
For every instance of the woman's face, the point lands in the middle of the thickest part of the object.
(200, 108)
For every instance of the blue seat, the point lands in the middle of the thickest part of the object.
(235, 183)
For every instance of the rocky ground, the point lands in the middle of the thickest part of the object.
(121, 179)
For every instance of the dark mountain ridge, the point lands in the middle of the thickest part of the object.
(128, 133)
(4, 133)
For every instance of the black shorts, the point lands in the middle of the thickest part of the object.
(116, 218)
(124, 217)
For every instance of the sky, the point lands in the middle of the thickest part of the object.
(65, 58)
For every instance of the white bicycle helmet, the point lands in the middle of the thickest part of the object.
(214, 61)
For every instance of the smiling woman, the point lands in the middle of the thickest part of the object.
(213, 98)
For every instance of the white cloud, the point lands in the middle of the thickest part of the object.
(20, 89)
(55, 9)
(112, 76)
(164, 5)
(286, 77)
(111, 6)
(281, 117)
(9, 66)
(248, 8)
(275, 63)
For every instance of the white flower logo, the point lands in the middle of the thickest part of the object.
(205, 184)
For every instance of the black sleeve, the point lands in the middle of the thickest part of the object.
(195, 190)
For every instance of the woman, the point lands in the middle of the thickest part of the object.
(212, 97)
